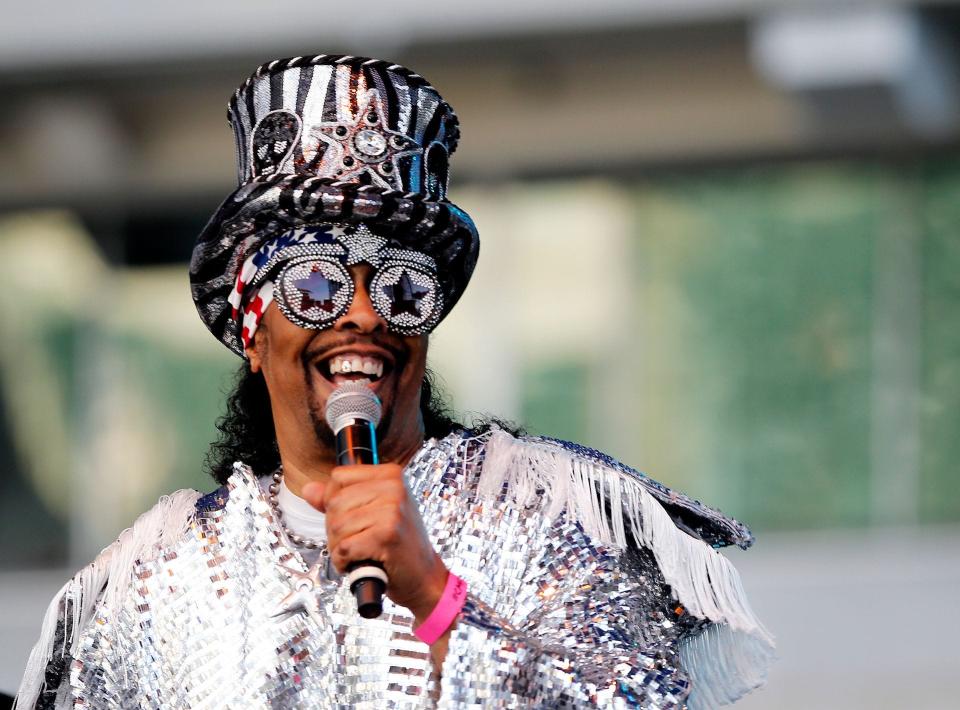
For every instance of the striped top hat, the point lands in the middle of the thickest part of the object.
(338, 139)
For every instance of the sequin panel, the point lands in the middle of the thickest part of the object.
(552, 618)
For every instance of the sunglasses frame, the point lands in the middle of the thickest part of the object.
(295, 314)
(416, 266)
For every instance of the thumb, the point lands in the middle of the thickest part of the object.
(313, 494)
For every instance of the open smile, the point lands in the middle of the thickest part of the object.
(356, 362)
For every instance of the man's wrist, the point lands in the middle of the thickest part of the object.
(432, 592)
(437, 625)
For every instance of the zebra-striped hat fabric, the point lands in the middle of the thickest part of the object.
(334, 138)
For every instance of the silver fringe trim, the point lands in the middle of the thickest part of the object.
(107, 578)
(723, 665)
(704, 581)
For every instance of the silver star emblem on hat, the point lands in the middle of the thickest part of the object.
(361, 244)
(366, 146)
(303, 596)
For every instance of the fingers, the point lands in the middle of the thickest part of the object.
(366, 509)
(345, 476)
(349, 499)
(370, 515)
(378, 531)
(356, 522)
(319, 494)
(377, 506)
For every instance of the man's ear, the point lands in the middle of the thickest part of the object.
(254, 357)
(252, 351)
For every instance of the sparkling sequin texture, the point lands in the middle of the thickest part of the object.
(553, 618)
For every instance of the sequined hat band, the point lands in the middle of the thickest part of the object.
(305, 271)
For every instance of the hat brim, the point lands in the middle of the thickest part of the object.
(263, 207)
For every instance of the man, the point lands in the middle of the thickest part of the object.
(523, 571)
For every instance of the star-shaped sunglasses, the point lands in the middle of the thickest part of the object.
(314, 291)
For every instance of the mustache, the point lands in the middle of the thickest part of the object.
(316, 352)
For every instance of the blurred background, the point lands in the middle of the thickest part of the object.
(719, 242)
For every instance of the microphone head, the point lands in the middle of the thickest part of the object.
(351, 401)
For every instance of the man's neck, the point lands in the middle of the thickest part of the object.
(298, 470)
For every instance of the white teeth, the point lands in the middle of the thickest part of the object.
(342, 365)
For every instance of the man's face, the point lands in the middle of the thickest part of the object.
(302, 367)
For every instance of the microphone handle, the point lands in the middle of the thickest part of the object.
(357, 445)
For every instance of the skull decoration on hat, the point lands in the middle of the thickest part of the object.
(348, 142)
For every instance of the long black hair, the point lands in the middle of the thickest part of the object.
(247, 433)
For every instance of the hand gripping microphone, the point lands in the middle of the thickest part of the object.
(353, 412)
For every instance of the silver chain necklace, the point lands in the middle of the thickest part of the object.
(274, 500)
(306, 585)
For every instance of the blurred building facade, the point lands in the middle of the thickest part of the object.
(718, 241)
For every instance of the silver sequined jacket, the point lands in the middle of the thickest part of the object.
(590, 585)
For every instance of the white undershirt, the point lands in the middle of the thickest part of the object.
(298, 515)
(301, 517)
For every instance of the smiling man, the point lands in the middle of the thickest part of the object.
(523, 571)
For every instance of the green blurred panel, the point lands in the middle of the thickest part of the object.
(189, 393)
(58, 336)
(37, 523)
(771, 271)
(554, 399)
(940, 397)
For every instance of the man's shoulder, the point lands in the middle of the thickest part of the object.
(107, 578)
(567, 473)
(157, 529)
(214, 500)
(104, 584)
(163, 528)
(243, 476)
(618, 507)
(689, 514)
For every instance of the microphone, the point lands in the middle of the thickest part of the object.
(353, 413)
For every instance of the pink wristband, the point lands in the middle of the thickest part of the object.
(451, 602)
